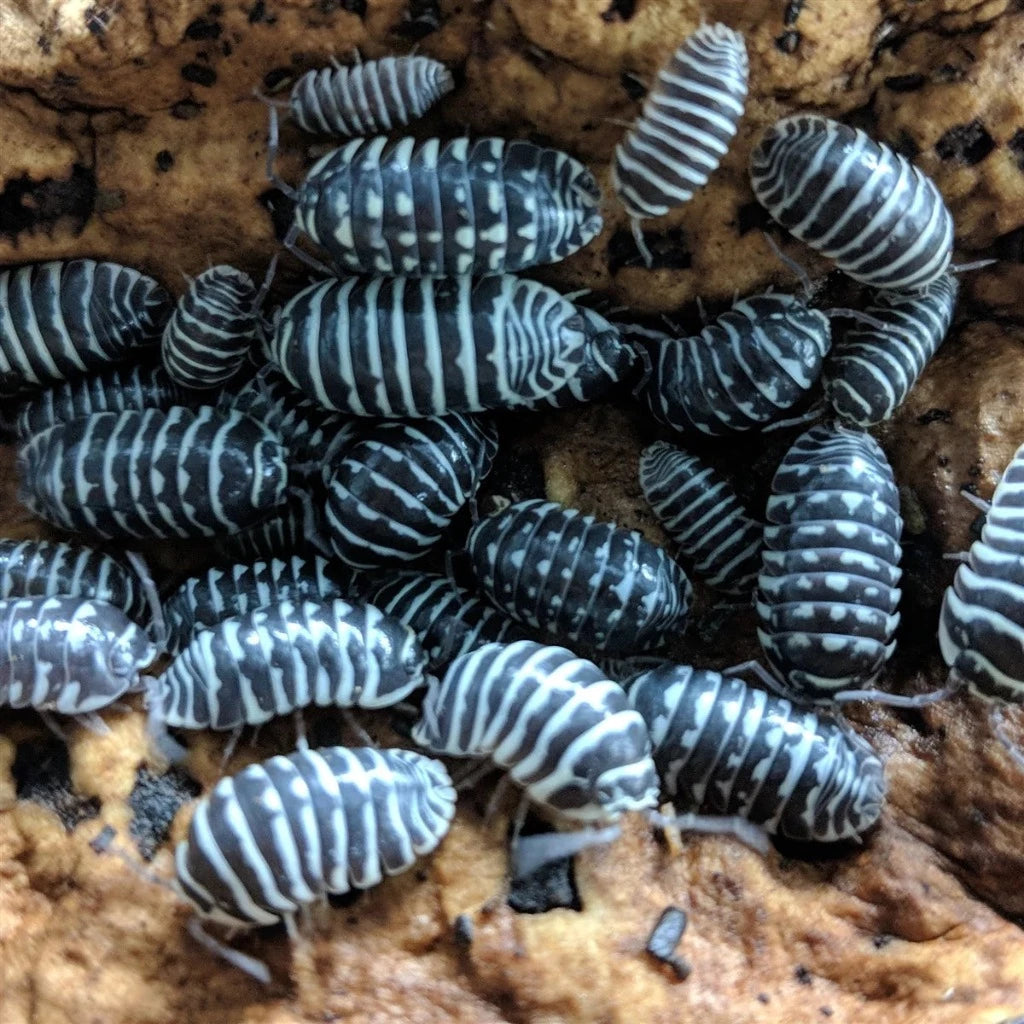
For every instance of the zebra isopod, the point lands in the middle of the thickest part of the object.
(741, 372)
(557, 570)
(291, 529)
(607, 360)
(281, 835)
(981, 625)
(723, 748)
(68, 654)
(700, 511)
(212, 329)
(449, 620)
(827, 593)
(274, 660)
(154, 474)
(860, 204)
(224, 591)
(43, 568)
(139, 386)
(310, 431)
(563, 730)
(689, 118)
(368, 98)
(433, 208)
(870, 372)
(63, 319)
(397, 347)
(397, 487)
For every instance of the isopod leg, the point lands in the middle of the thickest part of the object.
(361, 734)
(997, 716)
(895, 700)
(253, 967)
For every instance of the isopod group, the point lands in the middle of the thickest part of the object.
(335, 448)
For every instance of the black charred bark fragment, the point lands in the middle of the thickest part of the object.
(199, 74)
(905, 83)
(421, 18)
(200, 28)
(1016, 147)
(42, 774)
(154, 801)
(966, 143)
(619, 10)
(788, 42)
(27, 205)
(664, 940)
(186, 110)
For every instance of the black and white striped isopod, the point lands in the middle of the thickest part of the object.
(224, 591)
(700, 511)
(723, 748)
(368, 98)
(287, 656)
(63, 319)
(281, 835)
(856, 201)
(607, 360)
(309, 430)
(448, 620)
(562, 729)
(154, 474)
(43, 568)
(741, 372)
(827, 593)
(689, 118)
(139, 386)
(557, 570)
(212, 329)
(397, 487)
(291, 529)
(435, 209)
(68, 654)
(403, 347)
(870, 372)
(981, 625)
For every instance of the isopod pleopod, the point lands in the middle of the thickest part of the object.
(828, 589)
(563, 730)
(63, 319)
(557, 570)
(403, 347)
(433, 208)
(870, 372)
(689, 118)
(211, 330)
(281, 835)
(396, 488)
(167, 473)
(722, 747)
(701, 513)
(853, 199)
(68, 654)
(368, 98)
(741, 372)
